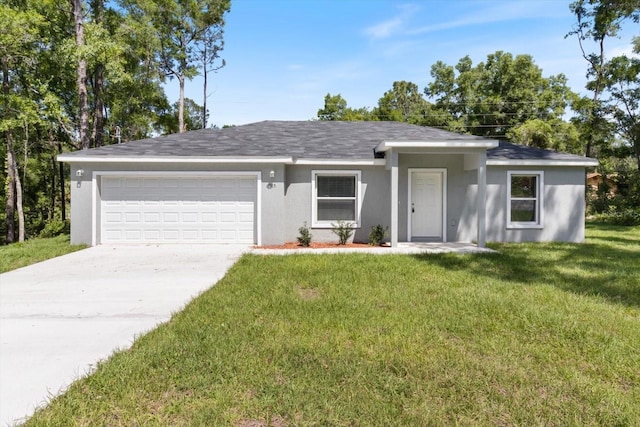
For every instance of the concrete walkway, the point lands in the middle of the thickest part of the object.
(402, 248)
(59, 317)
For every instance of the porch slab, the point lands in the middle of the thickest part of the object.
(402, 248)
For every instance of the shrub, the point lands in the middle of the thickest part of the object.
(629, 216)
(343, 230)
(377, 234)
(305, 236)
(55, 227)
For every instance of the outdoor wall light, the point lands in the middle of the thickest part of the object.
(272, 174)
(80, 172)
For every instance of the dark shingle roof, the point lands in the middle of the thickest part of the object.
(310, 140)
(302, 139)
(508, 151)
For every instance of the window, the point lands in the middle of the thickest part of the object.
(524, 199)
(336, 197)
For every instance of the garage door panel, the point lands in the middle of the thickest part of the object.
(132, 217)
(190, 217)
(178, 209)
(152, 234)
(170, 217)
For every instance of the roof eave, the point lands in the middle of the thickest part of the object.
(479, 143)
(173, 159)
(586, 162)
(340, 162)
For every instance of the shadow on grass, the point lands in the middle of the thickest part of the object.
(599, 269)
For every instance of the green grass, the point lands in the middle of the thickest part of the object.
(18, 255)
(540, 334)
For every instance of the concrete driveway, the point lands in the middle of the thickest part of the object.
(61, 316)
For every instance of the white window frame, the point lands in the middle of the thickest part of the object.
(539, 223)
(315, 223)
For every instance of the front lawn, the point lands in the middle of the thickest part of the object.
(18, 255)
(540, 334)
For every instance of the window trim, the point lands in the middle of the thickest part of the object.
(539, 223)
(315, 223)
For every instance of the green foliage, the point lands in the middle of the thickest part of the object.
(621, 207)
(494, 96)
(192, 117)
(305, 235)
(377, 234)
(552, 134)
(403, 103)
(623, 216)
(335, 108)
(55, 228)
(343, 230)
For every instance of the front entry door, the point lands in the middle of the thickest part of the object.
(426, 205)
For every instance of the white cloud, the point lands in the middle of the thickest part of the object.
(622, 51)
(492, 12)
(393, 25)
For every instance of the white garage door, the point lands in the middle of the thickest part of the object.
(196, 209)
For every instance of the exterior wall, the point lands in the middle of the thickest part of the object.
(286, 200)
(298, 200)
(563, 204)
(271, 203)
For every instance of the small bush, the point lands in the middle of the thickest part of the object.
(377, 234)
(628, 216)
(343, 230)
(54, 228)
(305, 235)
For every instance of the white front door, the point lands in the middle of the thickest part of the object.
(426, 211)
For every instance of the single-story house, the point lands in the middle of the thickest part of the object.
(259, 183)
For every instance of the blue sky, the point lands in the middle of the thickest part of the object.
(284, 56)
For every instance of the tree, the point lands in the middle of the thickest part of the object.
(403, 103)
(492, 97)
(212, 44)
(622, 82)
(18, 41)
(193, 117)
(180, 26)
(81, 70)
(547, 134)
(597, 20)
(335, 108)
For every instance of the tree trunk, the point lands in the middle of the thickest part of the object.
(97, 136)
(83, 103)
(204, 88)
(98, 111)
(599, 70)
(181, 128)
(53, 189)
(10, 203)
(63, 197)
(19, 202)
(14, 195)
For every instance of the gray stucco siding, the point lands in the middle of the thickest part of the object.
(298, 200)
(563, 204)
(82, 209)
